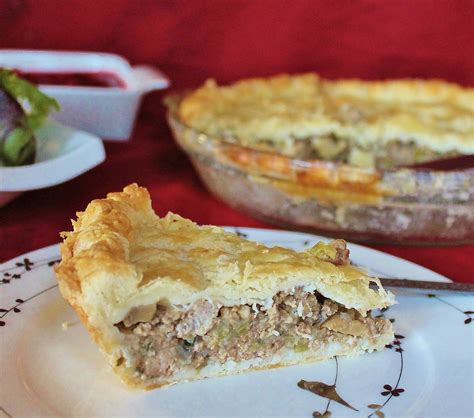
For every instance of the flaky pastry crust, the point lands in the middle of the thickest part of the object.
(278, 110)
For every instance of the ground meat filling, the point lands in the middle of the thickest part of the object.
(174, 338)
(394, 153)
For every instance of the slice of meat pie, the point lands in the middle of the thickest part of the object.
(169, 301)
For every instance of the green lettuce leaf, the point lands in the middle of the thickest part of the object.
(19, 145)
(40, 104)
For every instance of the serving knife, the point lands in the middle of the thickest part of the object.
(428, 288)
(460, 162)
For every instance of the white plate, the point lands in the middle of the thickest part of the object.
(62, 154)
(47, 370)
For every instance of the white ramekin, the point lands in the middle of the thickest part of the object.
(104, 111)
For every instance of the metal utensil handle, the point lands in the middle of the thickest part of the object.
(428, 285)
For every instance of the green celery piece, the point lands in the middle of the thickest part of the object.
(301, 346)
(18, 147)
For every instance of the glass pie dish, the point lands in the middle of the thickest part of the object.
(406, 206)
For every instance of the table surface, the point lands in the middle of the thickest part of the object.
(228, 40)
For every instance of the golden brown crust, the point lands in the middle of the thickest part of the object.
(120, 255)
(275, 111)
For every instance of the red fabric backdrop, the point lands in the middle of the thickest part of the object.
(193, 40)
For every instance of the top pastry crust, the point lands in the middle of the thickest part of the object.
(278, 111)
(121, 255)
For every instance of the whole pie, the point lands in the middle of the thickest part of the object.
(167, 300)
(363, 123)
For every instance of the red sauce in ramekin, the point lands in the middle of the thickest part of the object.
(104, 79)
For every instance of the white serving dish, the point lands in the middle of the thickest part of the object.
(104, 111)
(62, 154)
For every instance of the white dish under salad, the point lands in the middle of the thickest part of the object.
(62, 153)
